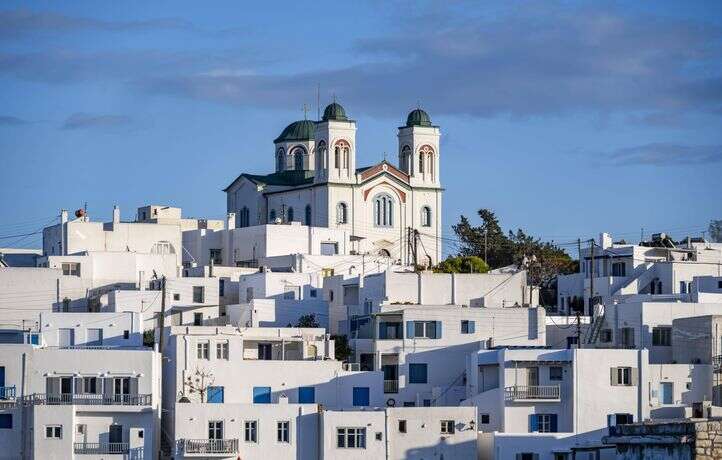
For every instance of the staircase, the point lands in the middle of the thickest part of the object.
(597, 324)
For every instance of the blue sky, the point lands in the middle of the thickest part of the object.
(565, 118)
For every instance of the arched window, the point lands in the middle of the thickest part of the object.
(307, 220)
(384, 253)
(341, 213)
(384, 210)
(290, 214)
(244, 218)
(421, 163)
(341, 154)
(280, 160)
(321, 155)
(406, 159)
(426, 216)
(272, 216)
(426, 156)
(298, 159)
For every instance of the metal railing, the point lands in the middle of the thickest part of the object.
(101, 448)
(7, 392)
(210, 446)
(86, 399)
(391, 386)
(518, 392)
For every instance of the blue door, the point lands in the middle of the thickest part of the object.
(360, 396)
(306, 395)
(215, 395)
(666, 395)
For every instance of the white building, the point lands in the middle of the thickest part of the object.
(317, 182)
(656, 271)
(81, 387)
(422, 349)
(546, 402)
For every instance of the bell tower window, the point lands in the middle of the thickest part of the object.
(341, 154)
(280, 160)
(384, 210)
(298, 159)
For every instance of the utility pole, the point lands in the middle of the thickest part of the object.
(416, 246)
(579, 331)
(591, 279)
(486, 231)
(162, 315)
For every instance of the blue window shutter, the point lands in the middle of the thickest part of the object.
(418, 373)
(215, 395)
(360, 396)
(472, 327)
(261, 395)
(6, 421)
(409, 329)
(306, 395)
(438, 329)
(553, 422)
(533, 423)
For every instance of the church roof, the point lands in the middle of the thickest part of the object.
(283, 178)
(418, 117)
(334, 111)
(301, 130)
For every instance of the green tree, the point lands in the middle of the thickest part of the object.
(307, 321)
(487, 238)
(462, 264)
(342, 349)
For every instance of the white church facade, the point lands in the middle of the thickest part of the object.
(388, 210)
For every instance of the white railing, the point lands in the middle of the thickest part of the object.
(86, 399)
(391, 386)
(519, 392)
(353, 367)
(101, 448)
(210, 446)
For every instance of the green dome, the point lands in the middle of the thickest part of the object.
(418, 117)
(334, 111)
(301, 130)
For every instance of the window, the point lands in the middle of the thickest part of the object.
(543, 423)
(71, 268)
(306, 395)
(361, 396)
(468, 327)
(261, 395)
(176, 296)
(272, 216)
(619, 269)
(624, 376)
(244, 218)
(215, 430)
(6, 421)
(409, 403)
(221, 287)
(351, 438)
(484, 419)
(527, 456)
(606, 335)
(90, 385)
(556, 373)
(214, 395)
(329, 248)
(662, 336)
(313, 293)
(126, 334)
(283, 431)
(289, 213)
(423, 329)
(418, 373)
(321, 156)
(251, 431)
(384, 211)
(94, 337)
(619, 419)
(298, 159)
(427, 403)
(198, 294)
(215, 256)
(203, 349)
(307, 219)
(402, 426)
(421, 164)
(53, 431)
(222, 350)
(341, 213)
(447, 427)
(426, 216)
(719, 284)
(280, 160)
(627, 337)
(197, 319)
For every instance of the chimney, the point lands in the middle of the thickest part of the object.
(231, 221)
(116, 215)
(605, 240)
(63, 216)
(141, 280)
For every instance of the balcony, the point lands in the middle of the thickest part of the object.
(86, 399)
(717, 363)
(101, 448)
(206, 447)
(537, 393)
(7, 393)
(391, 386)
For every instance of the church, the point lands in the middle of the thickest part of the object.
(388, 210)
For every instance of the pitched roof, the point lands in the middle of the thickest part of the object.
(283, 178)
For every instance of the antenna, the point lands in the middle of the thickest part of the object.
(318, 102)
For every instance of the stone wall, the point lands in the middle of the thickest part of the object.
(708, 440)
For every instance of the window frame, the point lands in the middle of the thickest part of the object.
(448, 427)
(283, 431)
(199, 292)
(222, 350)
(55, 433)
(426, 216)
(203, 350)
(383, 209)
(423, 366)
(357, 434)
(662, 336)
(213, 427)
(250, 431)
(554, 377)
